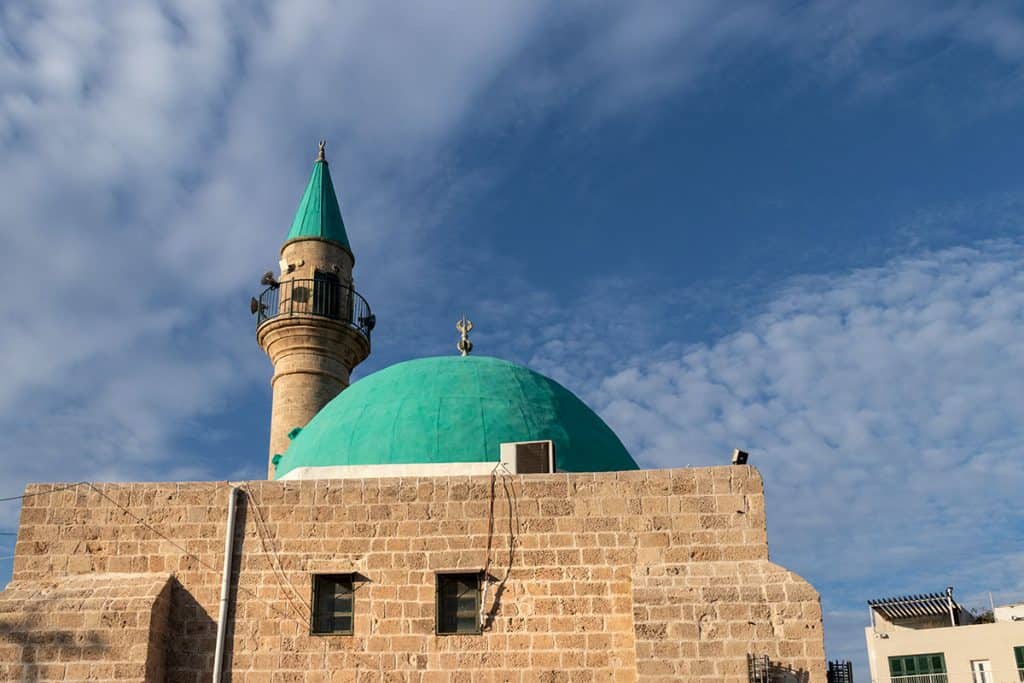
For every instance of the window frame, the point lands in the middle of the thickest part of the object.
(343, 578)
(444, 576)
(901, 661)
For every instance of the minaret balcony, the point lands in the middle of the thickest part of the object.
(317, 298)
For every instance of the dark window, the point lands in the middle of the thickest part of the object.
(326, 295)
(1018, 653)
(458, 603)
(918, 665)
(332, 603)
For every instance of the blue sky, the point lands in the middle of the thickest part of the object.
(792, 227)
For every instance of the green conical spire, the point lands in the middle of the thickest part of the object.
(318, 214)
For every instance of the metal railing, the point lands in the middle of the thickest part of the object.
(320, 297)
(962, 676)
(760, 669)
(840, 672)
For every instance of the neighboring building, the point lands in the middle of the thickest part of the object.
(460, 518)
(932, 639)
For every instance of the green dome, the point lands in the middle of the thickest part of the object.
(454, 409)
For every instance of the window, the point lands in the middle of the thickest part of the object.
(326, 295)
(332, 603)
(1018, 654)
(981, 671)
(919, 666)
(458, 603)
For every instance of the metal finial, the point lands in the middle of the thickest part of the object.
(320, 155)
(464, 326)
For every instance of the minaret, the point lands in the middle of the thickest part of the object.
(310, 320)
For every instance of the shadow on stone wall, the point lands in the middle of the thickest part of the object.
(513, 530)
(194, 634)
(36, 646)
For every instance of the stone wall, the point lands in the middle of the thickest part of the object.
(610, 576)
(91, 627)
(699, 621)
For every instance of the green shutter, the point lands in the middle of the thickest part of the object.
(1018, 652)
(908, 665)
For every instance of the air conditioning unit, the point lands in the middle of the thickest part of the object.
(529, 457)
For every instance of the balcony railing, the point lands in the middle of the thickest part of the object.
(320, 297)
(921, 678)
(1020, 673)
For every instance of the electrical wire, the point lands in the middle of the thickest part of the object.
(510, 496)
(150, 527)
(188, 554)
(263, 531)
(282, 577)
(42, 493)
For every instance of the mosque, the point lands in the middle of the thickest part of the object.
(458, 518)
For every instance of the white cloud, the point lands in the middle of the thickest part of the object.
(882, 406)
(144, 191)
(884, 399)
(151, 156)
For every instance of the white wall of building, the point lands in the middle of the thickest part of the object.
(960, 645)
(1009, 612)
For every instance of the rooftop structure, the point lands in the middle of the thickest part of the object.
(932, 639)
(919, 610)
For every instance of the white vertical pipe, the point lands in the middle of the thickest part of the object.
(225, 588)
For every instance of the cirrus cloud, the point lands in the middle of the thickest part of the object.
(882, 406)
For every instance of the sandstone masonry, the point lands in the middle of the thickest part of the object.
(653, 575)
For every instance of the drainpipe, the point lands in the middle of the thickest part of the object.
(225, 588)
